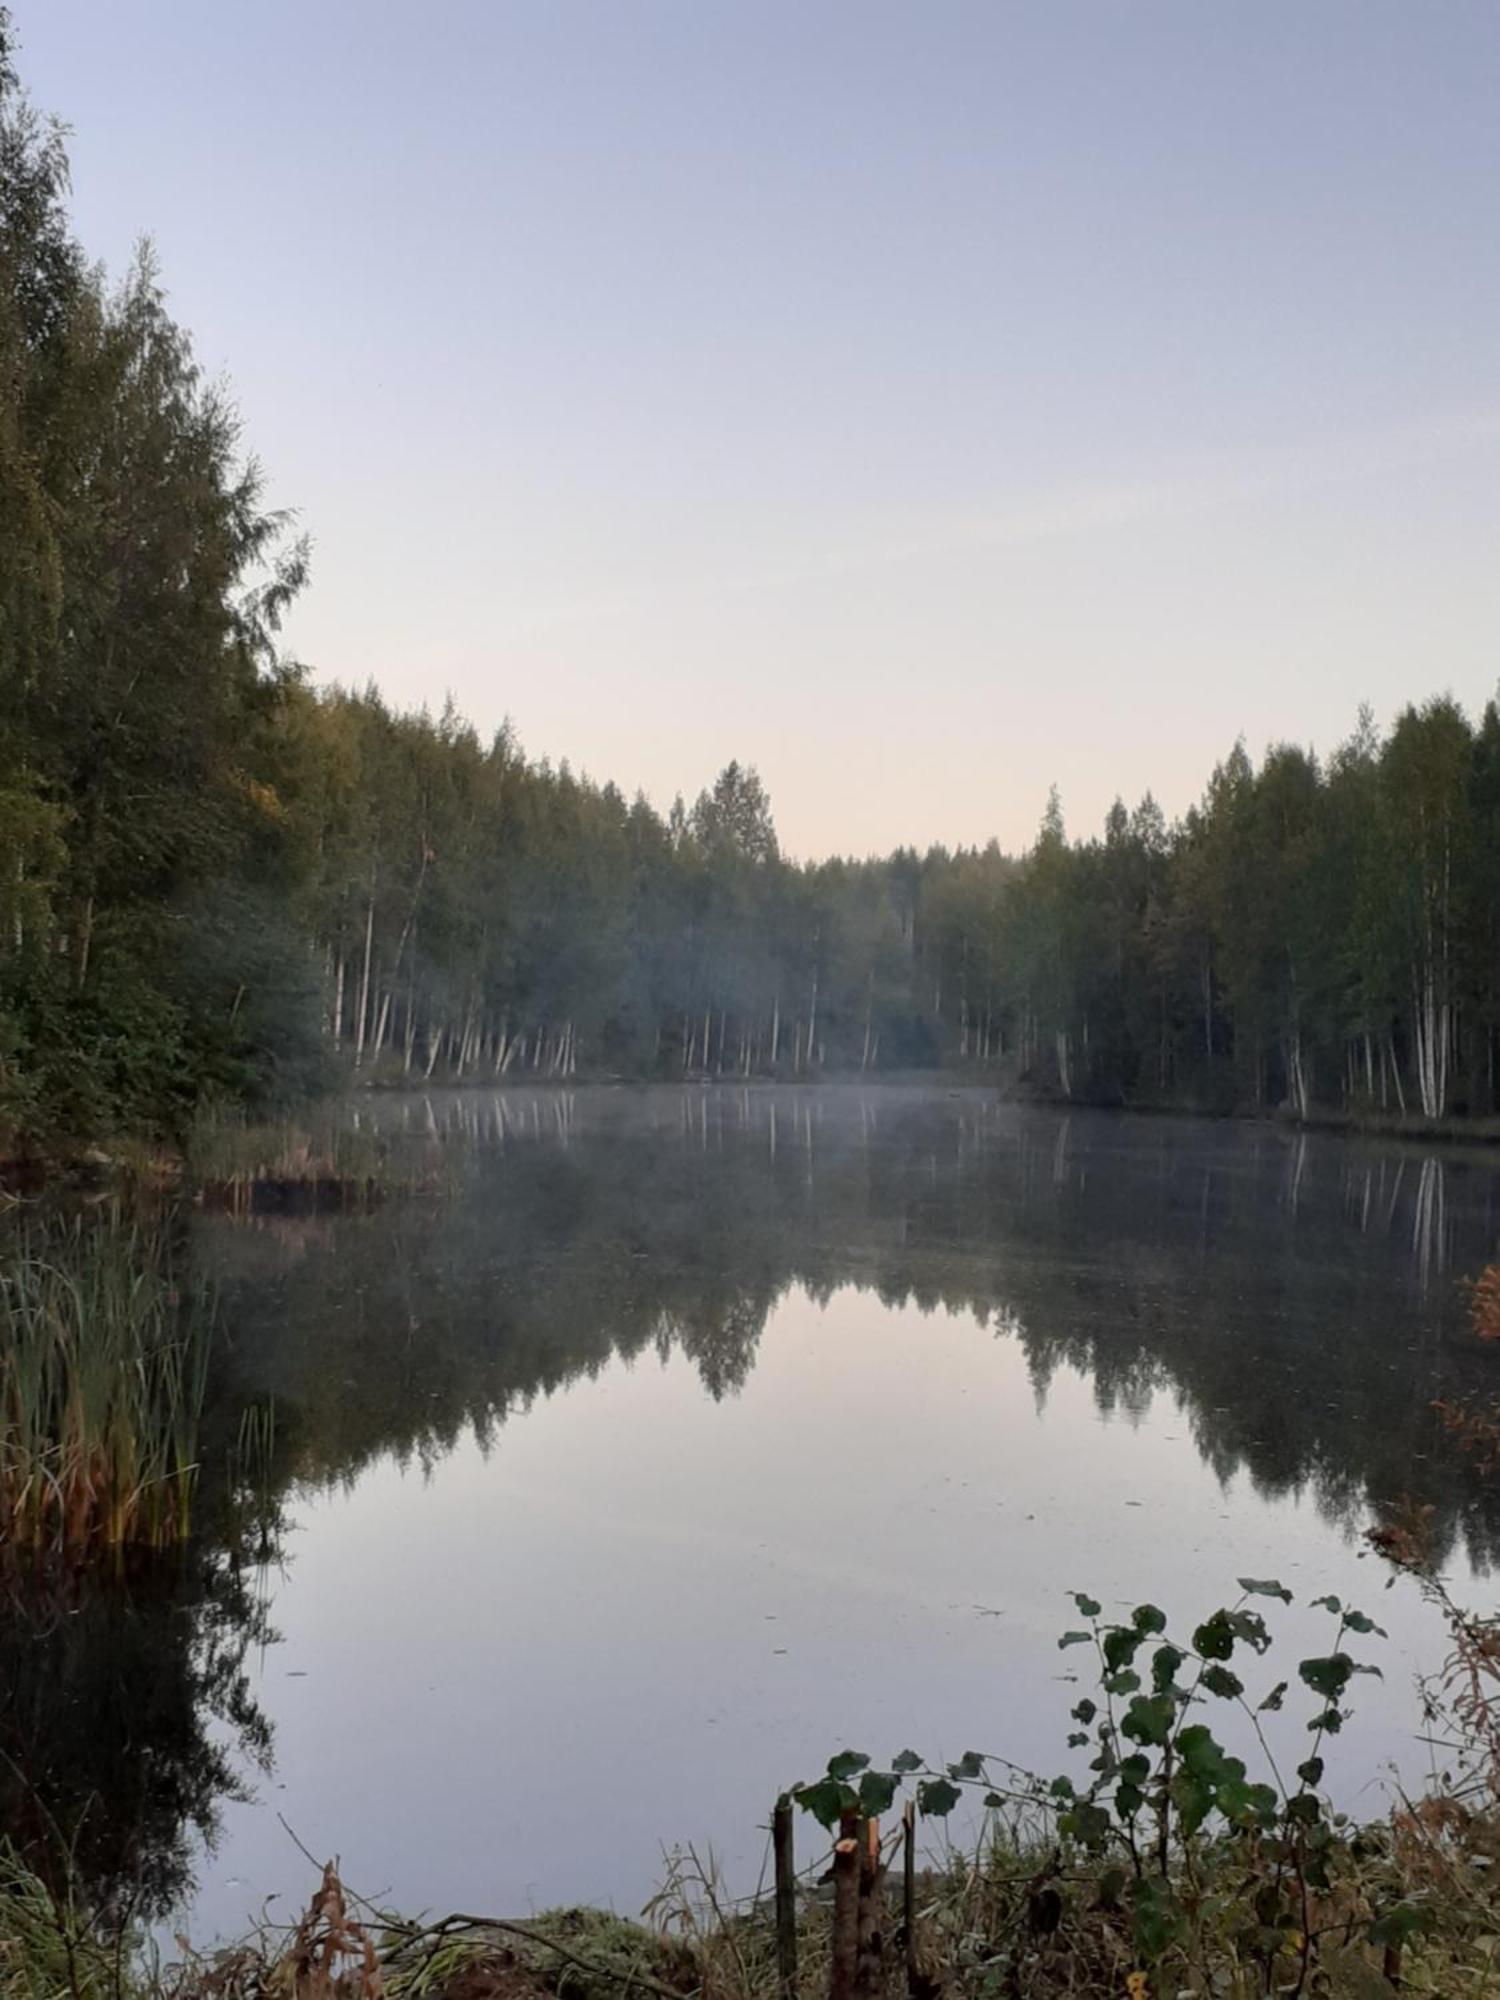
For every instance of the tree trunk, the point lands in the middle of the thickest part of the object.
(361, 1024)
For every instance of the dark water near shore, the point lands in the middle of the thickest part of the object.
(697, 1434)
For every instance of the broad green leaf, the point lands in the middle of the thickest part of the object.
(1149, 1718)
(1220, 1681)
(877, 1790)
(970, 1765)
(1075, 1639)
(907, 1760)
(1089, 1607)
(847, 1764)
(1276, 1697)
(1120, 1643)
(1148, 1620)
(1329, 1676)
(937, 1798)
(826, 1800)
(1165, 1662)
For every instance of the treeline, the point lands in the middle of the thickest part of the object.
(218, 882)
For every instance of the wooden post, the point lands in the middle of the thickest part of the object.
(845, 1909)
(909, 1894)
(869, 1976)
(786, 1897)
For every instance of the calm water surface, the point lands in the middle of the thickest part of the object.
(697, 1434)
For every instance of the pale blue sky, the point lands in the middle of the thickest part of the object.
(925, 402)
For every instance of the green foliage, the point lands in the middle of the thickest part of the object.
(1170, 1821)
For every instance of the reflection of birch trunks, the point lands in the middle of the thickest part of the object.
(1427, 1228)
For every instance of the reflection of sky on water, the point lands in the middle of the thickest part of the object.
(699, 1433)
(641, 1612)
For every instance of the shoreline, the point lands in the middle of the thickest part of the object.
(32, 1169)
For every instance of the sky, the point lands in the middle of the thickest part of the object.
(927, 403)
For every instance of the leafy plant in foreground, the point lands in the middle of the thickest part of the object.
(1179, 1842)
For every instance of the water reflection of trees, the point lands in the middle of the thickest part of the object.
(126, 1720)
(1296, 1293)
(1296, 1296)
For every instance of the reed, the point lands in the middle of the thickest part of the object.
(103, 1369)
(242, 1164)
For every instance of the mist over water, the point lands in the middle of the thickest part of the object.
(696, 1433)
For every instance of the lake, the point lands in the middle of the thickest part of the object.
(692, 1435)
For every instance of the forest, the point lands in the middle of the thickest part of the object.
(221, 884)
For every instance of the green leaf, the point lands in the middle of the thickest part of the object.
(1157, 1919)
(1329, 1676)
(1148, 1620)
(1276, 1697)
(1149, 1718)
(1077, 1738)
(1214, 1638)
(826, 1800)
(907, 1760)
(1089, 1607)
(1120, 1643)
(1311, 1771)
(1358, 1622)
(1122, 1683)
(1075, 1639)
(970, 1765)
(1084, 1711)
(1330, 1720)
(1254, 1586)
(1165, 1662)
(877, 1789)
(1327, 1604)
(1304, 1808)
(937, 1798)
(1220, 1681)
(847, 1764)
(994, 1801)
(1087, 1823)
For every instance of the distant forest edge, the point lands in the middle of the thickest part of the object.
(218, 884)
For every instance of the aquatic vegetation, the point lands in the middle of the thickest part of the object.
(1484, 1302)
(242, 1165)
(103, 1368)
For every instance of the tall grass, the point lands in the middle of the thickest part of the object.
(103, 1369)
(239, 1163)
